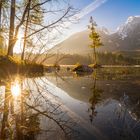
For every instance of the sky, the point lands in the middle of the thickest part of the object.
(107, 13)
(110, 13)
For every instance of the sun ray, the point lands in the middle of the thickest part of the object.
(16, 89)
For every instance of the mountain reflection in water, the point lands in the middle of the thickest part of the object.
(107, 98)
(103, 105)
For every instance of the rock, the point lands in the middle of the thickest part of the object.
(83, 68)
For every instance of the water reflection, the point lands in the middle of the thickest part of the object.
(29, 112)
(95, 97)
(81, 74)
(15, 121)
(127, 125)
(113, 96)
(50, 107)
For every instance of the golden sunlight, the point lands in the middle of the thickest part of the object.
(18, 45)
(15, 89)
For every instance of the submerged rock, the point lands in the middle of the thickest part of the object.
(83, 68)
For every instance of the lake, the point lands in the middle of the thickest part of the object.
(64, 105)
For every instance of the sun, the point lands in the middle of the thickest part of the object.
(19, 44)
(16, 89)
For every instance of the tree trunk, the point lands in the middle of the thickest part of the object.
(0, 12)
(5, 114)
(25, 32)
(95, 61)
(11, 31)
(94, 49)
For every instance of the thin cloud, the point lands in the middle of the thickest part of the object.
(85, 11)
(90, 8)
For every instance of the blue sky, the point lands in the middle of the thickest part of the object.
(111, 14)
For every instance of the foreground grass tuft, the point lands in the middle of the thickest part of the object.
(10, 64)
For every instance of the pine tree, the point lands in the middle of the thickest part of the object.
(95, 38)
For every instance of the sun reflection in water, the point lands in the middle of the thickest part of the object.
(16, 89)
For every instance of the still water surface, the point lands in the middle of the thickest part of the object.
(102, 105)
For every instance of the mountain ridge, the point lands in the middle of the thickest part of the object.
(126, 37)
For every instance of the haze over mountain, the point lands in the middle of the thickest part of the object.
(126, 37)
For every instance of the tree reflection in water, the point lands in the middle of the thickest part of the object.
(95, 97)
(33, 114)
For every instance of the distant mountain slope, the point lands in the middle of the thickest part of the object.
(77, 43)
(127, 37)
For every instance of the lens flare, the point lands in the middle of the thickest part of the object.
(16, 89)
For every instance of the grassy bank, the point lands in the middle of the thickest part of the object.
(13, 65)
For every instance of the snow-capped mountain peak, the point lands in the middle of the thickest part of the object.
(133, 19)
(131, 23)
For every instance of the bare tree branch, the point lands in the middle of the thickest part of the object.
(50, 24)
(44, 114)
(39, 4)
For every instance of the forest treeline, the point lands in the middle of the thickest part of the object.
(104, 58)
